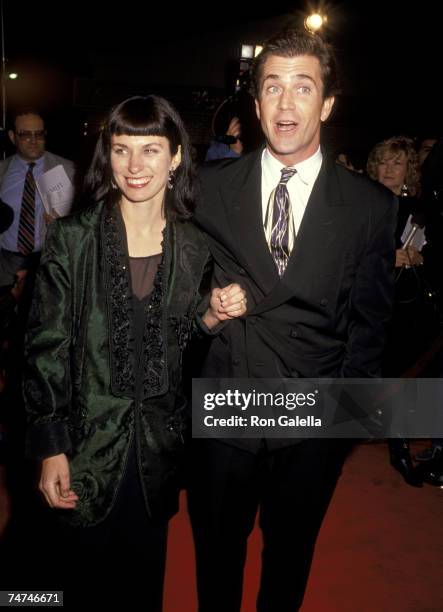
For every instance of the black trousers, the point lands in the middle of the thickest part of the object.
(119, 561)
(291, 486)
(125, 555)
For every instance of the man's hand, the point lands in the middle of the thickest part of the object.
(55, 483)
(234, 129)
(227, 303)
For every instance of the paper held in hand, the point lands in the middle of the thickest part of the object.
(419, 239)
(56, 191)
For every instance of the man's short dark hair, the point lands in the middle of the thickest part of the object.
(291, 43)
(25, 110)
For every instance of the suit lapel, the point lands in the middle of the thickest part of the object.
(242, 200)
(49, 161)
(316, 234)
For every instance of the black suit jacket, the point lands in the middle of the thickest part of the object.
(327, 315)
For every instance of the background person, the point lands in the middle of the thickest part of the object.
(21, 244)
(394, 163)
(229, 146)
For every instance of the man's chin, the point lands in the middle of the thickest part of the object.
(31, 157)
(283, 153)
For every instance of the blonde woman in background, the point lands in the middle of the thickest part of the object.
(394, 163)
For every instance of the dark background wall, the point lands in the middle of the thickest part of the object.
(76, 63)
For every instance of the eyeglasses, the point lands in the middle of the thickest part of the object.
(28, 135)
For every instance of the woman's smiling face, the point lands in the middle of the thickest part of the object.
(141, 166)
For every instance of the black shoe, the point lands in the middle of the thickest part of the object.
(425, 455)
(431, 472)
(401, 461)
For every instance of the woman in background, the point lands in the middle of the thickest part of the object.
(394, 163)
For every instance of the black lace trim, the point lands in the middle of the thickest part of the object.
(119, 304)
(183, 328)
(151, 378)
(154, 357)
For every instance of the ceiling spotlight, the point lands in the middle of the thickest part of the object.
(314, 22)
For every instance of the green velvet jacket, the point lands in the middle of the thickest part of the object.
(80, 370)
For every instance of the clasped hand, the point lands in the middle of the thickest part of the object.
(225, 304)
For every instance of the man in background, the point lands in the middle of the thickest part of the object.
(21, 243)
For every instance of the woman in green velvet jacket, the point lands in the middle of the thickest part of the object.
(114, 306)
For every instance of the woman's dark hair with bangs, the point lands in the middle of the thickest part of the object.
(144, 116)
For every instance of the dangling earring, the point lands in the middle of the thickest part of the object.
(113, 185)
(171, 178)
(404, 192)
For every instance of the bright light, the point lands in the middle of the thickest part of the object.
(247, 51)
(314, 22)
(13, 76)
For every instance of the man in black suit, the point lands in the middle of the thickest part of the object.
(316, 260)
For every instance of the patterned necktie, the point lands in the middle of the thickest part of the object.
(280, 221)
(26, 227)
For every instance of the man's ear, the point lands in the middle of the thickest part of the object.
(11, 135)
(257, 108)
(327, 108)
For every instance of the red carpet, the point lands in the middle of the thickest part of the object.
(380, 548)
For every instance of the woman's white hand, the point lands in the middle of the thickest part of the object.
(55, 483)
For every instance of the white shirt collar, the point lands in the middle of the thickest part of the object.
(307, 170)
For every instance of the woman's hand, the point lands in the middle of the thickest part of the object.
(414, 256)
(408, 257)
(55, 483)
(227, 303)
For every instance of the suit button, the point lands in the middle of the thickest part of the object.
(252, 321)
(236, 362)
(241, 271)
(294, 333)
(324, 301)
(295, 374)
